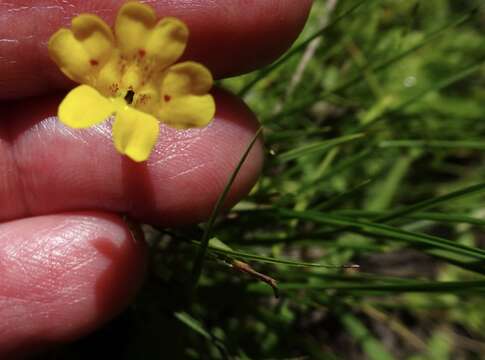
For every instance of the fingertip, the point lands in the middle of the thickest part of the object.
(54, 168)
(62, 276)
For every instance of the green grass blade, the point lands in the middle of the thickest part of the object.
(432, 216)
(346, 164)
(390, 185)
(299, 48)
(317, 147)
(426, 204)
(267, 259)
(370, 345)
(196, 326)
(380, 230)
(334, 201)
(193, 324)
(476, 286)
(441, 144)
(204, 242)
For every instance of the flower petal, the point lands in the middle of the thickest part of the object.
(82, 51)
(188, 111)
(135, 133)
(167, 42)
(133, 24)
(157, 44)
(84, 107)
(187, 78)
(185, 102)
(95, 35)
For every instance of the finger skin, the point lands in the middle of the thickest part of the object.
(46, 167)
(62, 276)
(229, 36)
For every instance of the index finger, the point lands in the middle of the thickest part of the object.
(228, 36)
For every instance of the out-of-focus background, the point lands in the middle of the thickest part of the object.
(374, 126)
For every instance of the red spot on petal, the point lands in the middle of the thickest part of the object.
(93, 62)
(142, 52)
(167, 98)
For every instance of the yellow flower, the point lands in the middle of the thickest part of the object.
(131, 75)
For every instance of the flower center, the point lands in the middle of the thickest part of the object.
(129, 97)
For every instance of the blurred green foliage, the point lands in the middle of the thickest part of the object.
(375, 138)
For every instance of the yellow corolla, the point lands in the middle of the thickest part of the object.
(132, 76)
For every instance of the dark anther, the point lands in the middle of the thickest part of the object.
(129, 96)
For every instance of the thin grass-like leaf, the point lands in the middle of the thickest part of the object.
(371, 346)
(384, 230)
(204, 242)
(427, 204)
(196, 326)
(432, 216)
(317, 147)
(477, 286)
(192, 323)
(444, 144)
(268, 259)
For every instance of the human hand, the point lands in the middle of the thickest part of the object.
(68, 262)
